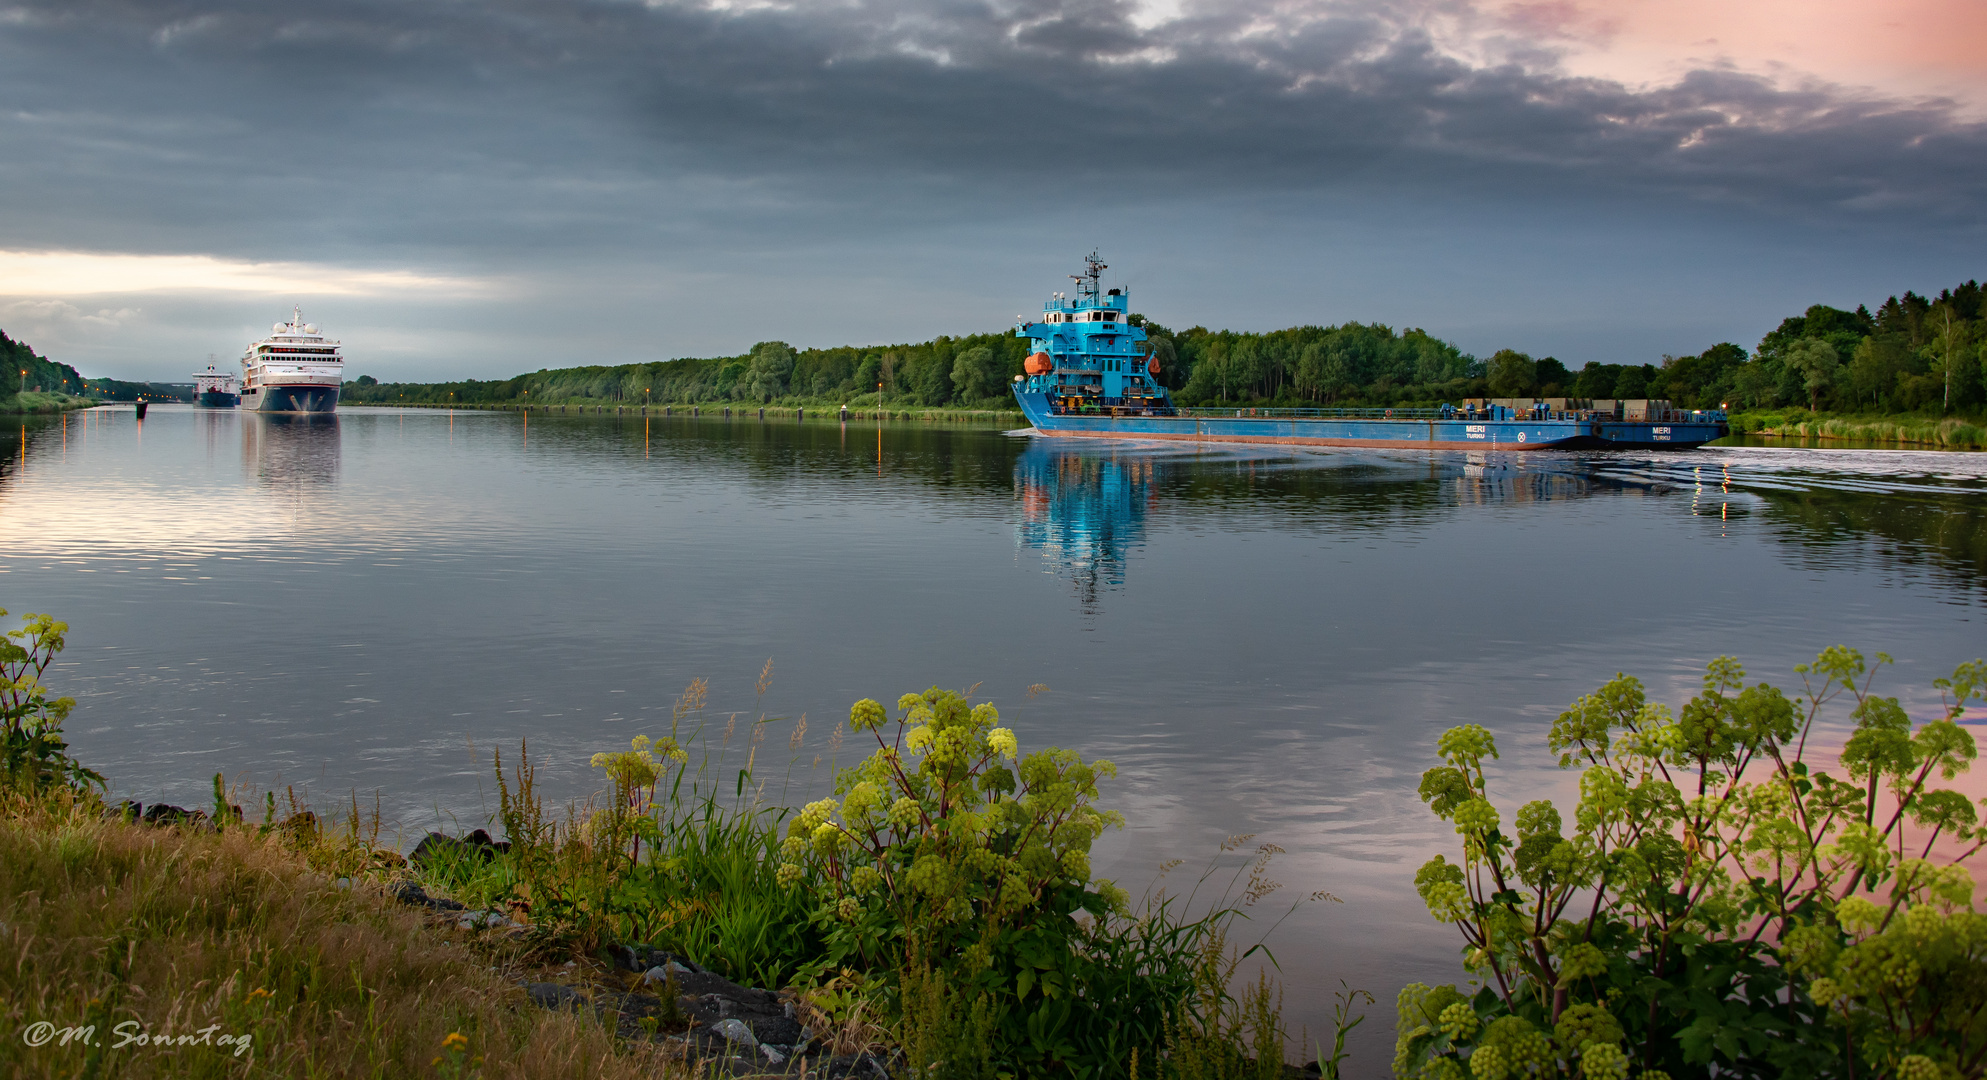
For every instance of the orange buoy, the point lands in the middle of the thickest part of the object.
(1152, 364)
(1038, 364)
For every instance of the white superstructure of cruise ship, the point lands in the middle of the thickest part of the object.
(294, 369)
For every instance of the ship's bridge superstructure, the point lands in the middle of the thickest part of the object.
(1087, 355)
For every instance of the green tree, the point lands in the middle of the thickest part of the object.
(1873, 370)
(731, 380)
(1633, 382)
(976, 375)
(1596, 380)
(1953, 349)
(1552, 378)
(1816, 363)
(1842, 329)
(1756, 383)
(1512, 373)
(1161, 349)
(772, 365)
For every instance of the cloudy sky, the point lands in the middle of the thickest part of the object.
(481, 187)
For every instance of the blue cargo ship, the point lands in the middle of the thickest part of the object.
(1088, 377)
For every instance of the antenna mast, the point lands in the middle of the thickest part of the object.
(1086, 282)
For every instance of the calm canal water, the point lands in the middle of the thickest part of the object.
(1265, 642)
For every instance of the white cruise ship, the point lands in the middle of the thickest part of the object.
(294, 369)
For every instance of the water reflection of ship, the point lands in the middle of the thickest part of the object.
(290, 450)
(1500, 480)
(1083, 513)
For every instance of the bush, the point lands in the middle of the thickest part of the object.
(960, 870)
(1719, 906)
(33, 755)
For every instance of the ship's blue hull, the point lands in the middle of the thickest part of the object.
(216, 399)
(1446, 433)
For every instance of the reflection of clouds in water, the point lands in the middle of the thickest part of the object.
(185, 481)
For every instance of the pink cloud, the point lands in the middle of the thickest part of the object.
(1910, 47)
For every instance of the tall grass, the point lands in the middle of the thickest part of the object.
(128, 929)
(36, 401)
(1950, 431)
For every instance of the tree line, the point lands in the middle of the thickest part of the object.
(972, 370)
(27, 371)
(30, 373)
(1912, 354)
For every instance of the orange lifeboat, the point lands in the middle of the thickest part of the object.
(1038, 364)
(1152, 364)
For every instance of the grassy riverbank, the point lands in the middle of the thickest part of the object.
(185, 952)
(1959, 433)
(37, 402)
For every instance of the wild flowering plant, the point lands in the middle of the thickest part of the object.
(947, 825)
(1719, 904)
(33, 755)
(953, 860)
(635, 774)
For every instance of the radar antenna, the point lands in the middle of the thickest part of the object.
(1086, 282)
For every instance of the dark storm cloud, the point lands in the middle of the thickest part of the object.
(530, 123)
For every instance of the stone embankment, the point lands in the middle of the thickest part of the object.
(646, 993)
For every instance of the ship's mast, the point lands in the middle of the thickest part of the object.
(1086, 282)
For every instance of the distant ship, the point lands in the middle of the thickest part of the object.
(294, 369)
(1088, 378)
(215, 389)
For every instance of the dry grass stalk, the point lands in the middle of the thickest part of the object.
(172, 932)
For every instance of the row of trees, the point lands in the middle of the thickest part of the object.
(26, 371)
(1911, 354)
(32, 373)
(970, 370)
